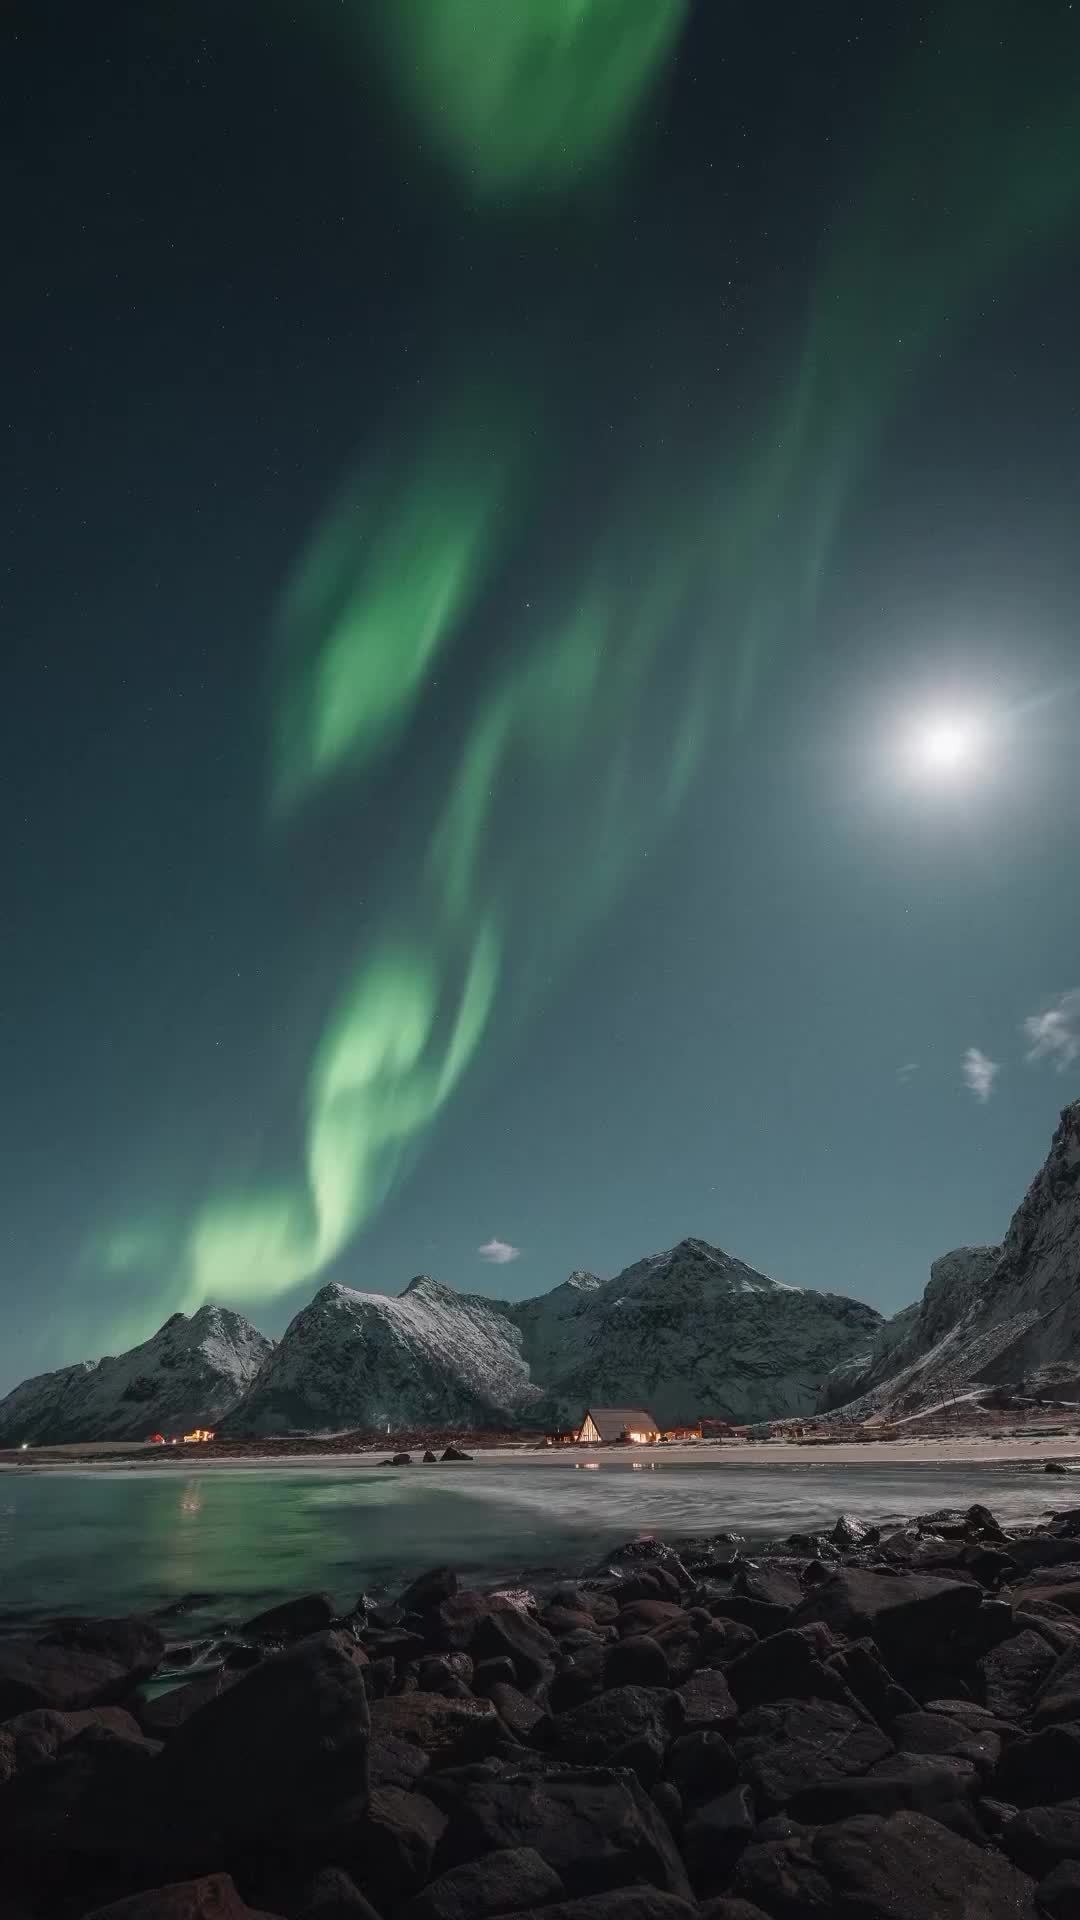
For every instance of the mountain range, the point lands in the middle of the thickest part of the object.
(190, 1373)
(688, 1332)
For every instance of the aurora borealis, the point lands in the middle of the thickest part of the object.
(470, 832)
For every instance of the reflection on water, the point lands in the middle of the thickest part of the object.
(110, 1542)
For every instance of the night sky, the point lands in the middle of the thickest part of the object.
(539, 596)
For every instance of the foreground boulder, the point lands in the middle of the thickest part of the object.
(596, 1828)
(77, 1664)
(903, 1868)
(214, 1897)
(32, 1738)
(907, 1615)
(794, 1746)
(280, 1759)
(503, 1883)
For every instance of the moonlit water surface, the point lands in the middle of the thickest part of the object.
(115, 1542)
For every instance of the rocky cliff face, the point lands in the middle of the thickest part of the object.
(991, 1316)
(955, 1281)
(189, 1374)
(430, 1357)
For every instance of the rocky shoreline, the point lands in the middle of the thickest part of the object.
(873, 1725)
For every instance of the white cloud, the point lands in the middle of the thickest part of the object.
(907, 1072)
(1054, 1034)
(980, 1072)
(499, 1252)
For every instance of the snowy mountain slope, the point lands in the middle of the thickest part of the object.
(429, 1357)
(188, 1374)
(1007, 1316)
(687, 1332)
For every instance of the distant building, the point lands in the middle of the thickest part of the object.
(682, 1433)
(602, 1426)
(157, 1439)
(200, 1433)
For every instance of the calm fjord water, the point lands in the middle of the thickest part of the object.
(114, 1542)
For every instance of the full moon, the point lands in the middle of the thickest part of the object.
(945, 746)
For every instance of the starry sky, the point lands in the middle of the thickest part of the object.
(540, 602)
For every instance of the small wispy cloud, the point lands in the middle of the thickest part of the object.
(907, 1072)
(1054, 1034)
(499, 1252)
(980, 1072)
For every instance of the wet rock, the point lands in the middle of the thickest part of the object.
(393, 1762)
(490, 1672)
(629, 1903)
(502, 1883)
(731, 1908)
(430, 1459)
(849, 1532)
(68, 1676)
(214, 1897)
(909, 1867)
(597, 1829)
(562, 1621)
(707, 1701)
(787, 1666)
(701, 1764)
(280, 1757)
(907, 1615)
(490, 1625)
(1039, 1837)
(519, 1715)
(429, 1590)
(681, 1647)
(309, 1613)
(860, 1667)
(31, 1739)
(1054, 1466)
(579, 1599)
(651, 1553)
(782, 1877)
(668, 1801)
(401, 1460)
(724, 1641)
(75, 1821)
(1042, 1769)
(330, 1895)
(936, 1733)
(715, 1835)
(135, 1644)
(160, 1714)
(450, 1732)
(1058, 1896)
(454, 1453)
(762, 1615)
(624, 1727)
(1014, 1671)
(645, 1616)
(786, 1748)
(391, 1849)
(637, 1661)
(912, 1782)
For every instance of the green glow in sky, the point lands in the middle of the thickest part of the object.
(525, 96)
(383, 589)
(571, 755)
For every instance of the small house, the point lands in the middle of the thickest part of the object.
(604, 1426)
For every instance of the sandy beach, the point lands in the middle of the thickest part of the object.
(972, 1450)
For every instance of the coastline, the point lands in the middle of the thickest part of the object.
(972, 1450)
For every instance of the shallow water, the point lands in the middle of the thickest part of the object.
(115, 1542)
